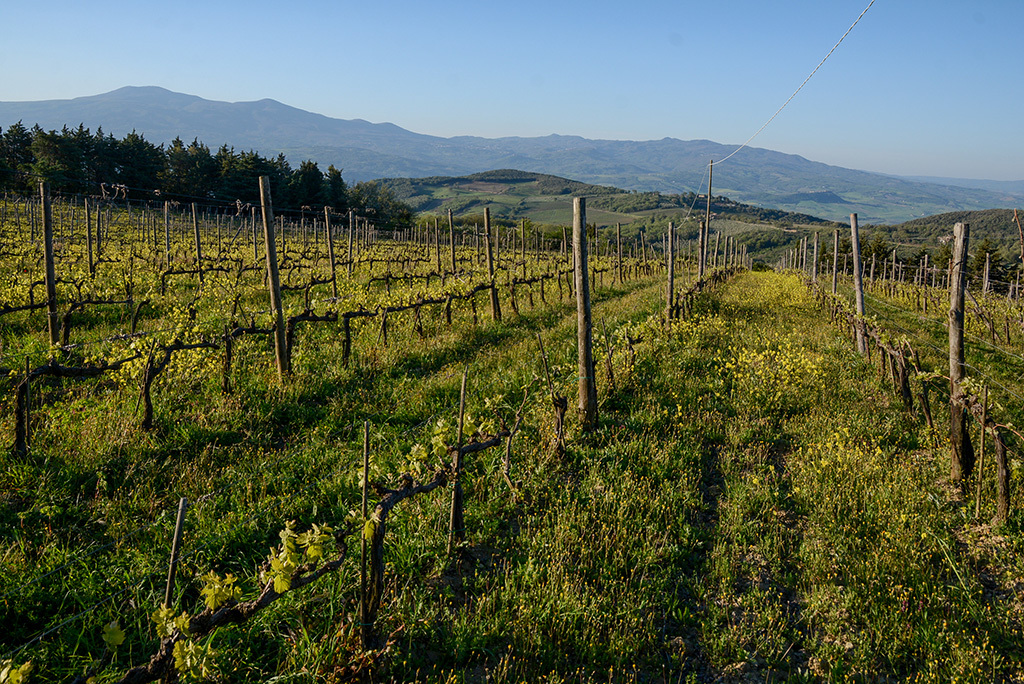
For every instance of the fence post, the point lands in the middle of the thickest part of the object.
(351, 230)
(618, 250)
(365, 626)
(495, 304)
(981, 454)
(457, 519)
(199, 244)
(701, 239)
(88, 235)
(22, 413)
(707, 223)
(962, 453)
(858, 284)
(167, 233)
(671, 261)
(330, 252)
(584, 328)
(1002, 481)
(814, 266)
(274, 279)
(172, 568)
(451, 238)
(52, 321)
(835, 260)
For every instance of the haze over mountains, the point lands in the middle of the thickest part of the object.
(367, 151)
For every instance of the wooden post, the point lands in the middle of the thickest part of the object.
(457, 520)
(330, 252)
(495, 304)
(22, 413)
(437, 244)
(351, 230)
(88, 234)
(618, 249)
(703, 259)
(858, 284)
(814, 266)
(700, 250)
(671, 263)
(273, 279)
(451, 238)
(584, 328)
(980, 476)
(167, 234)
(835, 260)
(199, 245)
(99, 233)
(962, 454)
(53, 322)
(172, 568)
(523, 246)
(1002, 481)
(718, 241)
(366, 628)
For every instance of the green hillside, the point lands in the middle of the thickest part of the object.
(546, 201)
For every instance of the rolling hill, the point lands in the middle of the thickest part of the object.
(375, 150)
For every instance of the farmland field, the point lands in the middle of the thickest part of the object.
(755, 504)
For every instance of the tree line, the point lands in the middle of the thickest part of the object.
(78, 161)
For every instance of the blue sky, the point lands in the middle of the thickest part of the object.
(920, 87)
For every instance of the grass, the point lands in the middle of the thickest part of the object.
(754, 505)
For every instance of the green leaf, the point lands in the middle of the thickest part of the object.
(113, 635)
(9, 674)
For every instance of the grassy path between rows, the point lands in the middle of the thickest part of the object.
(755, 507)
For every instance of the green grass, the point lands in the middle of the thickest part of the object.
(754, 504)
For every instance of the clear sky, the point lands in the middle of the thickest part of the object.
(920, 87)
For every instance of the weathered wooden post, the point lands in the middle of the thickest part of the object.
(451, 238)
(670, 259)
(962, 454)
(980, 477)
(835, 260)
(23, 413)
(437, 244)
(1002, 481)
(88, 234)
(814, 266)
(52, 319)
(584, 325)
(199, 247)
(457, 518)
(167, 234)
(701, 239)
(495, 304)
(618, 250)
(330, 252)
(858, 285)
(366, 626)
(274, 279)
(351, 231)
(707, 217)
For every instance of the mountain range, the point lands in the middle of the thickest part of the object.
(367, 151)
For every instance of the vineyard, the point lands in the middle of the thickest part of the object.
(241, 446)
